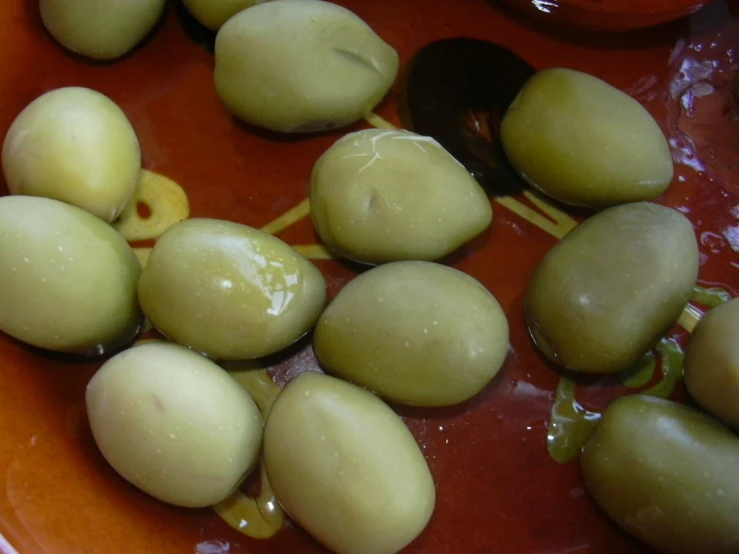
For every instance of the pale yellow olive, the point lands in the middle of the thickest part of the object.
(584, 142)
(100, 29)
(608, 291)
(228, 290)
(301, 66)
(174, 424)
(214, 13)
(418, 333)
(382, 195)
(345, 467)
(75, 145)
(67, 279)
(712, 362)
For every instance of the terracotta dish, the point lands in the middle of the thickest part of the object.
(609, 15)
(499, 490)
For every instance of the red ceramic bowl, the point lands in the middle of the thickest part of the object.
(498, 489)
(608, 15)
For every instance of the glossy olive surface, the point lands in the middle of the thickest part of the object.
(228, 290)
(498, 488)
(612, 287)
(67, 279)
(75, 145)
(382, 195)
(345, 467)
(712, 362)
(418, 333)
(665, 473)
(301, 66)
(174, 424)
(584, 142)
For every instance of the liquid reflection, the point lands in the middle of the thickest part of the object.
(702, 111)
(571, 424)
(262, 516)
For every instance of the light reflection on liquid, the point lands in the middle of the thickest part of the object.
(570, 423)
(262, 516)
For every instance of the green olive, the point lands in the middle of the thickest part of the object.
(214, 13)
(345, 467)
(67, 279)
(100, 29)
(603, 296)
(712, 362)
(418, 333)
(301, 66)
(228, 290)
(666, 474)
(381, 195)
(174, 424)
(75, 145)
(583, 142)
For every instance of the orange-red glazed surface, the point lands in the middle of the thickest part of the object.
(498, 488)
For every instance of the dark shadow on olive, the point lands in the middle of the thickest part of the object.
(286, 354)
(353, 265)
(458, 90)
(468, 249)
(79, 359)
(445, 412)
(580, 212)
(583, 379)
(62, 357)
(290, 138)
(306, 541)
(196, 31)
(638, 39)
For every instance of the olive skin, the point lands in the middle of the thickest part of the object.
(100, 29)
(296, 66)
(345, 467)
(67, 279)
(666, 474)
(229, 291)
(417, 333)
(583, 142)
(382, 195)
(174, 424)
(711, 366)
(76, 145)
(608, 291)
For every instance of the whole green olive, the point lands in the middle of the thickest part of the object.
(174, 424)
(583, 142)
(100, 29)
(381, 195)
(345, 467)
(666, 474)
(67, 279)
(301, 66)
(712, 362)
(418, 333)
(228, 290)
(76, 145)
(608, 291)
